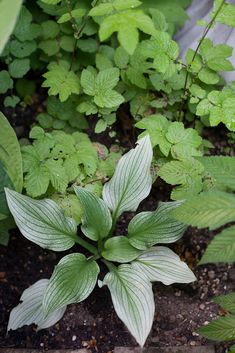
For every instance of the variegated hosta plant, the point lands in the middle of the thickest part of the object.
(133, 261)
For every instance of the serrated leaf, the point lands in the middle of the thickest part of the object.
(227, 13)
(6, 82)
(227, 302)
(42, 221)
(156, 126)
(116, 5)
(9, 12)
(49, 46)
(208, 76)
(126, 24)
(19, 67)
(221, 248)
(50, 29)
(133, 300)
(221, 170)
(68, 16)
(209, 209)
(96, 219)
(132, 181)
(147, 229)
(22, 50)
(162, 264)
(10, 154)
(57, 175)
(61, 81)
(72, 281)
(119, 249)
(30, 311)
(222, 329)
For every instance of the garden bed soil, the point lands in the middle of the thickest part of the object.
(93, 324)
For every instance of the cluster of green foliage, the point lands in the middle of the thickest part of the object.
(75, 276)
(215, 208)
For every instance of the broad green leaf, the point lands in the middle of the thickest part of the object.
(221, 170)
(22, 50)
(30, 311)
(131, 182)
(5, 181)
(6, 82)
(221, 248)
(227, 302)
(162, 264)
(127, 23)
(50, 29)
(8, 16)
(133, 300)
(119, 249)
(156, 126)
(226, 14)
(68, 16)
(158, 227)
(72, 281)
(116, 5)
(209, 209)
(222, 329)
(10, 154)
(42, 221)
(61, 81)
(96, 219)
(19, 67)
(49, 46)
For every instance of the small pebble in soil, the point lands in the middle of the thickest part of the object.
(211, 274)
(74, 338)
(192, 343)
(202, 306)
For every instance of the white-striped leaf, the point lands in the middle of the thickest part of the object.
(30, 310)
(96, 219)
(209, 209)
(159, 227)
(73, 279)
(222, 329)
(133, 300)
(162, 264)
(221, 248)
(131, 182)
(42, 221)
(120, 250)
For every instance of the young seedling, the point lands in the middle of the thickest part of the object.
(133, 260)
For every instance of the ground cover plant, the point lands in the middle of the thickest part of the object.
(75, 276)
(111, 71)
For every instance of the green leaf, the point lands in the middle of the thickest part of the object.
(50, 29)
(208, 76)
(10, 154)
(22, 50)
(121, 58)
(222, 329)
(68, 16)
(49, 46)
(119, 249)
(132, 181)
(42, 221)
(149, 228)
(162, 264)
(209, 209)
(88, 82)
(221, 170)
(19, 67)
(133, 300)
(227, 302)
(127, 24)
(116, 5)
(61, 81)
(8, 16)
(72, 281)
(5, 181)
(226, 14)
(24, 29)
(221, 248)
(57, 174)
(156, 126)
(11, 101)
(6, 82)
(29, 311)
(96, 219)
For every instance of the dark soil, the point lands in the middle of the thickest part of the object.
(180, 309)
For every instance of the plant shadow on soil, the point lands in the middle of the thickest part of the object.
(180, 309)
